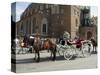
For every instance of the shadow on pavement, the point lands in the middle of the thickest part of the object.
(31, 60)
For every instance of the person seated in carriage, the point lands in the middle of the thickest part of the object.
(68, 41)
(65, 38)
(62, 41)
(77, 41)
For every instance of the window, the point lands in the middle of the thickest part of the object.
(58, 16)
(85, 22)
(62, 11)
(21, 28)
(78, 13)
(86, 16)
(34, 21)
(36, 10)
(41, 7)
(32, 25)
(47, 6)
(75, 12)
(57, 9)
(53, 10)
(62, 22)
(44, 28)
(47, 11)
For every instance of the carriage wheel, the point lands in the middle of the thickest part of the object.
(60, 52)
(86, 50)
(68, 54)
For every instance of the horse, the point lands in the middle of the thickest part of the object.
(44, 45)
(94, 43)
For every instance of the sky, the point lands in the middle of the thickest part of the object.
(21, 6)
(94, 11)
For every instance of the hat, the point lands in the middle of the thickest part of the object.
(37, 34)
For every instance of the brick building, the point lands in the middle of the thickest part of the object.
(51, 20)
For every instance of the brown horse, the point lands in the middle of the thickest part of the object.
(44, 45)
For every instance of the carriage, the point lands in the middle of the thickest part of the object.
(19, 48)
(69, 51)
(82, 49)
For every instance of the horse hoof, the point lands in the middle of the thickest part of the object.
(37, 61)
(53, 59)
(95, 52)
(34, 58)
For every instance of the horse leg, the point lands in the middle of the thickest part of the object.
(82, 51)
(54, 54)
(49, 49)
(89, 49)
(95, 50)
(22, 51)
(35, 56)
(38, 56)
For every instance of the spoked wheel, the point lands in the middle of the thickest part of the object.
(68, 54)
(86, 50)
(61, 52)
